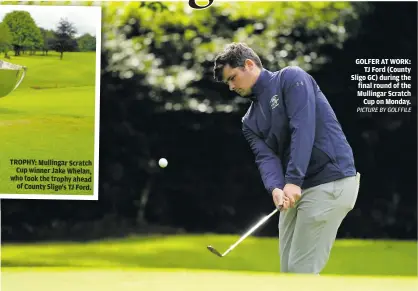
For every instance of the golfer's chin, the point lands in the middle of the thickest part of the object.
(244, 94)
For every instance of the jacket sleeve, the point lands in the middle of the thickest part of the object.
(299, 94)
(268, 163)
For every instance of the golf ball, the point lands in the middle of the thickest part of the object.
(163, 163)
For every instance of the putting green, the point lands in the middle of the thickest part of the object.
(186, 280)
(49, 116)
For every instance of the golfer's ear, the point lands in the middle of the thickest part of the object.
(249, 64)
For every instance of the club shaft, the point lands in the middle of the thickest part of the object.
(250, 231)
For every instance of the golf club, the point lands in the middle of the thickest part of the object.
(250, 231)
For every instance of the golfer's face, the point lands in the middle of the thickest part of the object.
(238, 80)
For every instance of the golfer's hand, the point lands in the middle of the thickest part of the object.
(280, 200)
(293, 193)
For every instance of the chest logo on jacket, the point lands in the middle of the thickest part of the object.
(274, 101)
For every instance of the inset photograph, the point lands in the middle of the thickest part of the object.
(49, 101)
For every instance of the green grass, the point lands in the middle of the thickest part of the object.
(349, 257)
(182, 263)
(74, 70)
(50, 116)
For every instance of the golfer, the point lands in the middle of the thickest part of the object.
(301, 152)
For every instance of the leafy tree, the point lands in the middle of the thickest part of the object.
(172, 47)
(25, 33)
(64, 36)
(5, 39)
(86, 43)
(48, 40)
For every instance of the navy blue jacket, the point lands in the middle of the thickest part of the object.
(294, 133)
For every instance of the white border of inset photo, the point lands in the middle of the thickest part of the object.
(95, 196)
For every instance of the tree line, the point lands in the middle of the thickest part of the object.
(19, 33)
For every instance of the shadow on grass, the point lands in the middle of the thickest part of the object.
(174, 260)
(10, 264)
(9, 111)
(43, 88)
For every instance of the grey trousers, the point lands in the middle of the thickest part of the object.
(308, 231)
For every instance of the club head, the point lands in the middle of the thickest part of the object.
(214, 251)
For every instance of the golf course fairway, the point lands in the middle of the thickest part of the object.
(182, 262)
(50, 116)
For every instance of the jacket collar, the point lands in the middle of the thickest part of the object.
(260, 84)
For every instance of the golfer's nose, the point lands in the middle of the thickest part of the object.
(231, 86)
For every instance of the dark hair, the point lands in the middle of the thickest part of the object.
(234, 55)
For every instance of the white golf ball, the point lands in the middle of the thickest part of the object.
(163, 163)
